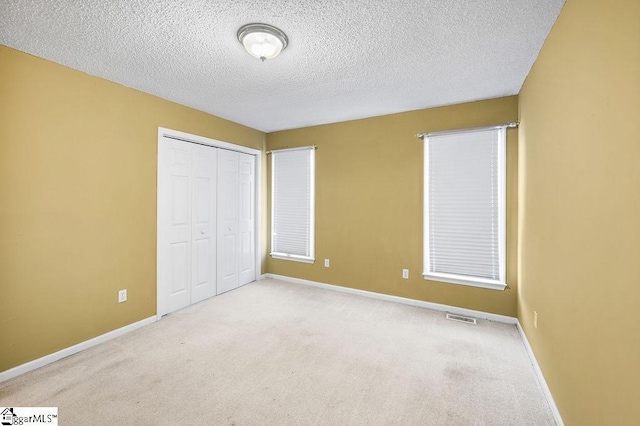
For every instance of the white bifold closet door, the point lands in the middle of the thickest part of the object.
(236, 219)
(186, 220)
(206, 222)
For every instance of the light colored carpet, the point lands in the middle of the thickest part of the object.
(276, 353)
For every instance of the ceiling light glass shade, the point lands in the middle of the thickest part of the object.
(262, 41)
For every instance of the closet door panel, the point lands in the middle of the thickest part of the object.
(203, 261)
(174, 224)
(227, 199)
(246, 218)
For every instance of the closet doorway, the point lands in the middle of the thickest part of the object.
(207, 218)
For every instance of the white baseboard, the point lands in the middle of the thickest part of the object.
(56, 356)
(429, 305)
(543, 382)
(48, 359)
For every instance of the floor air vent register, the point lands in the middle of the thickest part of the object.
(468, 320)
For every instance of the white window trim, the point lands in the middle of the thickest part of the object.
(502, 196)
(312, 214)
(292, 257)
(457, 279)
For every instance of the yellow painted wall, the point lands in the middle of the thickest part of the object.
(78, 202)
(369, 203)
(580, 211)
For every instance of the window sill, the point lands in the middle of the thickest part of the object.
(295, 258)
(453, 279)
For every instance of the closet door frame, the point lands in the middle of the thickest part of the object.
(187, 137)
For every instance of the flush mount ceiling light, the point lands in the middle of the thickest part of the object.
(262, 41)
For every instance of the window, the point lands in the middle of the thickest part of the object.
(292, 204)
(465, 207)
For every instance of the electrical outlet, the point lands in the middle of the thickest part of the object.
(535, 319)
(122, 296)
(405, 274)
(326, 263)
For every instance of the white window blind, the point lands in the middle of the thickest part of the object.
(292, 204)
(465, 206)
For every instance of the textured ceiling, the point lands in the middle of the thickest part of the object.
(346, 59)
